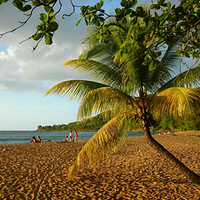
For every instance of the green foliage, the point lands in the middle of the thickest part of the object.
(47, 27)
(93, 124)
(21, 5)
(168, 23)
(105, 141)
(93, 15)
(180, 23)
(189, 122)
(3, 1)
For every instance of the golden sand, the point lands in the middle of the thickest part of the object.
(136, 171)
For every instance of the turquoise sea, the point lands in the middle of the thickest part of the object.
(17, 137)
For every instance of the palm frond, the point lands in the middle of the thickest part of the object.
(189, 78)
(105, 99)
(105, 72)
(170, 57)
(96, 52)
(103, 143)
(165, 68)
(176, 101)
(76, 89)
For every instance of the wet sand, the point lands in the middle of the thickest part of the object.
(136, 171)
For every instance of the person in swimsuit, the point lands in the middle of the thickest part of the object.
(38, 139)
(33, 140)
(71, 137)
(66, 139)
(76, 135)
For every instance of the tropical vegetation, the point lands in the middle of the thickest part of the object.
(166, 123)
(181, 21)
(90, 125)
(134, 76)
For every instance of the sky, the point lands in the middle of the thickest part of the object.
(25, 76)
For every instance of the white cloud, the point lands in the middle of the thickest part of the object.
(3, 87)
(8, 54)
(3, 55)
(26, 71)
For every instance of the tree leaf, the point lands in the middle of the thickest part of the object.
(37, 36)
(26, 8)
(36, 3)
(152, 65)
(123, 3)
(118, 11)
(43, 17)
(50, 1)
(150, 42)
(105, 141)
(53, 26)
(18, 4)
(134, 20)
(101, 3)
(52, 16)
(48, 9)
(168, 5)
(79, 21)
(48, 39)
(41, 27)
(140, 11)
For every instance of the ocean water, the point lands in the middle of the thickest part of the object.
(17, 137)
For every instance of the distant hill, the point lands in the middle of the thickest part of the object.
(90, 125)
(189, 122)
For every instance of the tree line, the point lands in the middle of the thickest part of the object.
(189, 122)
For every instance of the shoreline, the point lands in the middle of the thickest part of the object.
(54, 138)
(136, 171)
(24, 137)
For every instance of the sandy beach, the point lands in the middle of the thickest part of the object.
(136, 171)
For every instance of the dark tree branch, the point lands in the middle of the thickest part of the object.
(74, 9)
(22, 23)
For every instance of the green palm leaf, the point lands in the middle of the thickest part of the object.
(176, 101)
(165, 68)
(103, 143)
(105, 73)
(189, 78)
(76, 89)
(170, 56)
(105, 99)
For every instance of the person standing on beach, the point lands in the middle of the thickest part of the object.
(71, 136)
(76, 135)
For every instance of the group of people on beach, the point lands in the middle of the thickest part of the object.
(71, 137)
(36, 140)
(165, 133)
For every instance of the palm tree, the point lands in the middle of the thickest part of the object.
(134, 81)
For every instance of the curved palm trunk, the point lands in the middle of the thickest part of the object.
(177, 163)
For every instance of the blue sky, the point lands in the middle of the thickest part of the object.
(25, 76)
